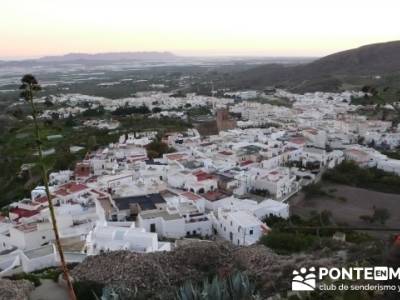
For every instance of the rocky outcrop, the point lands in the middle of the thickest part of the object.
(157, 275)
(15, 290)
(273, 272)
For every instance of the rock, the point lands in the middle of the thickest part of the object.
(15, 289)
(158, 275)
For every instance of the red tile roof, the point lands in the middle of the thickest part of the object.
(70, 188)
(214, 196)
(23, 213)
(41, 199)
(175, 156)
(298, 140)
(201, 176)
(82, 170)
(225, 152)
(246, 162)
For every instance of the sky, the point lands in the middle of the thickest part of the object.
(194, 27)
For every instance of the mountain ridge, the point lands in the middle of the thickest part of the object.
(327, 73)
(111, 56)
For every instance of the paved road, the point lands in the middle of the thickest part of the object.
(49, 290)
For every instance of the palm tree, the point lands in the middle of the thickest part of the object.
(30, 86)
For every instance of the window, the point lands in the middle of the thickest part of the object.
(251, 232)
(231, 223)
(43, 237)
(224, 228)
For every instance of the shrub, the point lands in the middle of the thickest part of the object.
(285, 242)
(380, 215)
(27, 276)
(88, 290)
(314, 190)
(349, 173)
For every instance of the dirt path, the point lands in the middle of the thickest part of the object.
(49, 290)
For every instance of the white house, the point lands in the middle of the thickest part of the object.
(61, 177)
(163, 223)
(198, 182)
(238, 227)
(113, 238)
(278, 182)
(389, 165)
(31, 236)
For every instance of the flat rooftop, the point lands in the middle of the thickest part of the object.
(146, 202)
(39, 252)
(160, 214)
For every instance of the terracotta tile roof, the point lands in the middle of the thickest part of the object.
(246, 162)
(175, 156)
(41, 199)
(23, 213)
(214, 196)
(298, 140)
(225, 153)
(201, 176)
(70, 188)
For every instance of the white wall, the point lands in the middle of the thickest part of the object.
(203, 228)
(31, 240)
(232, 230)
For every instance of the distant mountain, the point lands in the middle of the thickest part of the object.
(110, 56)
(352, 67)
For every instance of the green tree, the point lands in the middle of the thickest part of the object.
(156, 110)
(92, 143)
(30, 86)
(65, 159)
(380, 215)
(157, 148)
(48, 102)
(384, 96)
(70, 122)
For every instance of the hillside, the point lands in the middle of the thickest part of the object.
(354, 67)
(158, 275)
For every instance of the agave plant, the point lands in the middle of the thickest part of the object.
(235, 287)
(28, 88)
(110, 294)
(240, 287)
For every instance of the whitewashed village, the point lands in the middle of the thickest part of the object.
(210, 187)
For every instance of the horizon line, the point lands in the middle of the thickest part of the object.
(218, 55)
